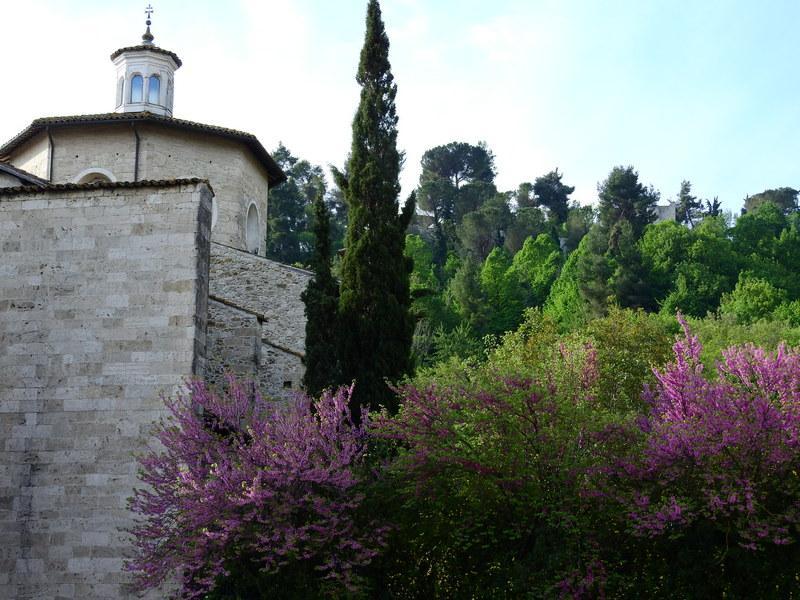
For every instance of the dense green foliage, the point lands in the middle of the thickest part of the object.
(374, 321)
(522, 476)
(482, 257)
(290, 220)
(321, 299)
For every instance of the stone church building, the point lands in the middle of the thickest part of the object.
(132, 258)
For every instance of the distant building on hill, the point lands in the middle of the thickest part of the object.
(666, 210)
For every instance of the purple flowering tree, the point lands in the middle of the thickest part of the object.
(243, 485)
(723, 452)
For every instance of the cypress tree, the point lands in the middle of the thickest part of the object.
(321, 298)
(376, 327)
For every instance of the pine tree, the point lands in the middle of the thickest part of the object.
(623, 197)
(689, 207)
(376, 327)
(321, 298)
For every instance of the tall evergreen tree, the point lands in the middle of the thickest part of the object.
(456, 179)
(623, 197)
(553, 194)
(612, 267)
(289, 237)
(321, 298)
(713, 208)
(689, 207)
(376, 327)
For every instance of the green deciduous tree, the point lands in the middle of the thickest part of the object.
(535, 267)
(664, 246)
(710, 269)
(756, 231)
(503, 292)
(752, 299)
(769, 244)
(376, 327)
(565, 304)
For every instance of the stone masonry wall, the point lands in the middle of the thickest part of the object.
(102, 310)
(249, 292)
(33, 156)
(236, 346)
(234, 343)
(164, 153)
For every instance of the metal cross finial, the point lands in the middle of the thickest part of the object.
(147, 38)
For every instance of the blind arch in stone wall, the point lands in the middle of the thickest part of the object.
(252, 241)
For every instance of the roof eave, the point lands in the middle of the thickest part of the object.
(275, 174)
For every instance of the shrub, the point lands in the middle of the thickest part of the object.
(718, 333)
(249, 498)
(752, 299)
(715, 490)
(487, 482)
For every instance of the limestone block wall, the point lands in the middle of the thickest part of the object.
(237, 346)
(103, 303)
(109, 147)
(280, 373)
(33, 156)
(163, 153)
(234, 343)
(249, 292)
(237, 177)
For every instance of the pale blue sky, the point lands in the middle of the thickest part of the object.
(704, 90)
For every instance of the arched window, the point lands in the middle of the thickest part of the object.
(137, 92)
(153, 89)
(120, 87)
(251, 229)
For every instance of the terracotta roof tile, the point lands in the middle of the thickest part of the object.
(70, 187)
(20, 174)
(151, 48)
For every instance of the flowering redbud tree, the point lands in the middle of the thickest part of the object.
(719, 468)
(726, 449)
(244, 486)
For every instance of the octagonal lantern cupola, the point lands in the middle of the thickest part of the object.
(145, 76)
